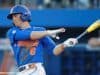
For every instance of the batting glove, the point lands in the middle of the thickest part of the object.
(70, 42)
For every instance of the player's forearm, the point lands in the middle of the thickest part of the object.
(67, 43)
(41, 34)
(58, 49)
(38, 34)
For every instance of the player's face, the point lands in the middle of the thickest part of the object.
(17, 20)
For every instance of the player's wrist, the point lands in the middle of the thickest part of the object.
(49, 32)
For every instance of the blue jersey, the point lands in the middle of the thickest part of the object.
(27, 50)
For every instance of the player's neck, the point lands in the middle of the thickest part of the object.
(25, 25)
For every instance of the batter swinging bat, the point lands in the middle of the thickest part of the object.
(91, 28)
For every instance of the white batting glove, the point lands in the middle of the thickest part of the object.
(54, 32)
(70, 42)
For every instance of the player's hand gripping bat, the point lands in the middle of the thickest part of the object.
(72, 41)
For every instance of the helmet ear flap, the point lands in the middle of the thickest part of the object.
(23, 17)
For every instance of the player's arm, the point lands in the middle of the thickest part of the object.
(33, 34)
(68, 43)
(41, 34)
(58, 49)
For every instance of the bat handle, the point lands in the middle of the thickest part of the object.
(81, 35)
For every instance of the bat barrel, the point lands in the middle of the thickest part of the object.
(91, 28)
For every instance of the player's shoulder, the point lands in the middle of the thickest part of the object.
(39, 28)
(12, 30)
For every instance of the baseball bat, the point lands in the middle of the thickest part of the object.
(91, 28)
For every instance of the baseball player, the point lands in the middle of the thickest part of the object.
(28, 42)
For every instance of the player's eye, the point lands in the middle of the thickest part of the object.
(16, 15)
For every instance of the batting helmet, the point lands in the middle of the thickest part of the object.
(20, 9)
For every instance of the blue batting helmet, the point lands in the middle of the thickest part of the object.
(20, 9)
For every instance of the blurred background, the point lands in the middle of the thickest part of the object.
(75, 16)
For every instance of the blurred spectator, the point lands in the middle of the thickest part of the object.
(76, 3)
(83, 4)
(72, 3)
(1, 56)
(6, 57)
(94, 42)
(95, 3)
(53, 3)
(7, 63)
(47, 3)
(28, 3)
(6, 3)
(40, 3)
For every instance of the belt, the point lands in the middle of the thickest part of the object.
(28, 66)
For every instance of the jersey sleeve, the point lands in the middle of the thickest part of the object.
(22, 34)
(25, 34)
(15, 34)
